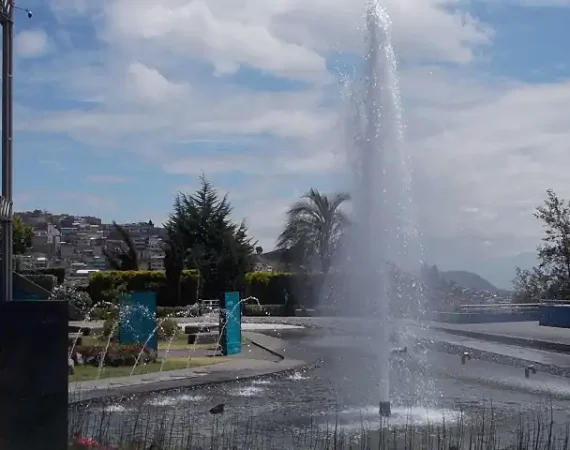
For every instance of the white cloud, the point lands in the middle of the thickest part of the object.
(484, 149)
(107, 179)
(282, 37)
(31, 43)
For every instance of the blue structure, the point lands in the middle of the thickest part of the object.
(230, 324)
(24, 289)
(138, 319)
(554, 316)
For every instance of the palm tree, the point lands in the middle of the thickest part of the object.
(315, 223)
(122, 258)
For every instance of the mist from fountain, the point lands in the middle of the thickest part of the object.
(383, 228)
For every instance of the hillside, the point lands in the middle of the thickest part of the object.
(468, 280)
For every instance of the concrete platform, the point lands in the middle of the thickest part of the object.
(524, 334)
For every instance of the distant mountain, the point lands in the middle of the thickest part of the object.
(468, 280)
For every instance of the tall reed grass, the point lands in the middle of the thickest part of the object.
(484, 431)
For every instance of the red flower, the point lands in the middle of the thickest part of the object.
(82, 441)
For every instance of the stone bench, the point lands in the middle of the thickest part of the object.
(85, 331)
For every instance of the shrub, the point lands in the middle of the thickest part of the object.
(168, 329)
(101, 283)
(177, 311)
(116, 355)
(111, 325)
(268, 287)
(264, 310)
(57, 272)
(301, 289)
(79, 300)
(103, 313)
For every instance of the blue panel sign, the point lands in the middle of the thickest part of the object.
(138, 319)
(232, 326)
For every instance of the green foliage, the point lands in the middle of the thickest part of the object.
(551, 279)
(48, 282)
(78, 299)
(212, 242)
(264, 310)
(123, 258)
(58, 272)
(103, 313)
(273, 288)
(177, 311)
(117, 282)
(292, 290)
(168, 329)
(23, 236)
(112, 294)
(313, 230)
(111, 325)
(116, 355)
(265, 277)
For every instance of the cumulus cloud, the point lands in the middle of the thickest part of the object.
(31, 43)
(484, 148)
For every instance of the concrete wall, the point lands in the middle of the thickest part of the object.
(554, 316)
(486, 317)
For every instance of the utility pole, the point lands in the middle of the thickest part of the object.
(7, 8)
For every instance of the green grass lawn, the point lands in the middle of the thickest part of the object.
(180, 342)
(84, 373)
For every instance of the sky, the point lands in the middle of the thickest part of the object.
(120, 104)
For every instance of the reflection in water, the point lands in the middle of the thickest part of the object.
(324, 398)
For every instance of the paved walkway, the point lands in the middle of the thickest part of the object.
(243, 366)
(522, 330)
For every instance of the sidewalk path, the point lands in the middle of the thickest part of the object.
(237, 368)
(523, 334)
(519, 351)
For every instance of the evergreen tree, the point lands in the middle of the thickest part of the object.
(219, 248)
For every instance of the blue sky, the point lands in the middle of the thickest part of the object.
(122, 103)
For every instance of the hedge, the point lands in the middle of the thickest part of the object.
(271, 288)
(264, 310)
(144, 280)
(115, 355)
(58, 272)
(47, 282)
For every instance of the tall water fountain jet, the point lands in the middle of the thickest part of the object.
(381, 190)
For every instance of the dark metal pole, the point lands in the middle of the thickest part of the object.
(7, 141)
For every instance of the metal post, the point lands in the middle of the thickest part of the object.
(7, 19)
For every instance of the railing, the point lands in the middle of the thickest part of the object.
(509, 307)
